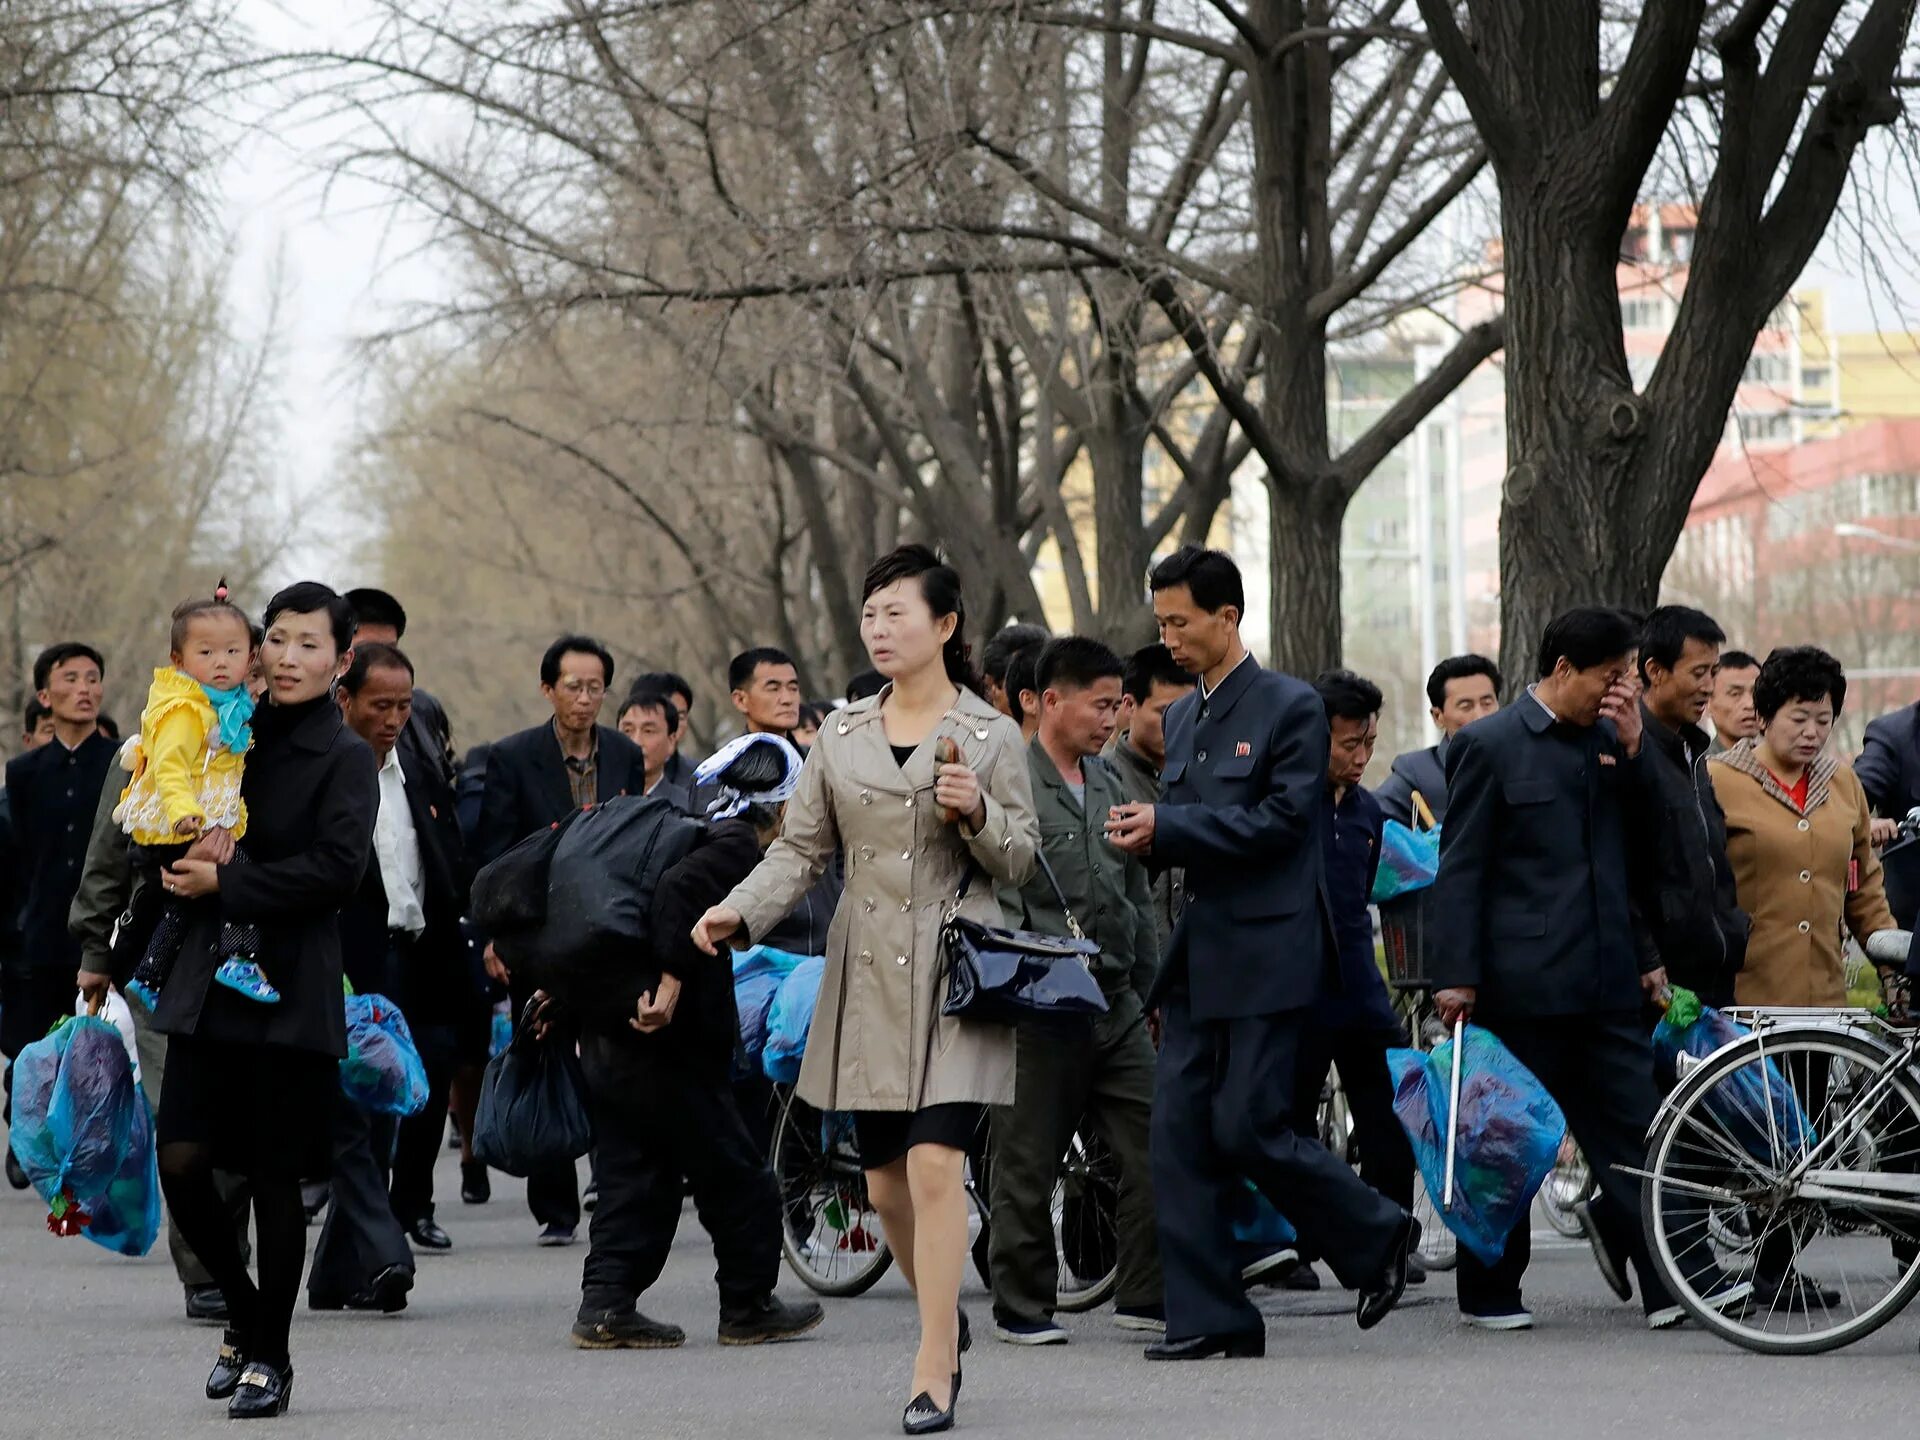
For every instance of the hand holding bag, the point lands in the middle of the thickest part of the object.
(533, 1110)
(1003, 977)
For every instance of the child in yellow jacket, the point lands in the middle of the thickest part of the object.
(187, 764)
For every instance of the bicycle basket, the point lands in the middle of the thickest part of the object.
(1403, 935)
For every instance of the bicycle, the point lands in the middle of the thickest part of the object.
(1403, 936)
(1796, 1146)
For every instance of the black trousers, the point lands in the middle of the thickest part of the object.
(1360, 1055)
(417, 1149)
(553, 1193)
(1600, 1070)
(1224, 1107)
(654, 1124)
(360, 1237)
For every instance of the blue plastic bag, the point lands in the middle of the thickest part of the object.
(790, 1019)
(382, 1071)
(1740, 1101)
(500, 1034)
(1409, 861)
(83, 1132)
(1509, 1137)
(758, 973)
(1256, 1222)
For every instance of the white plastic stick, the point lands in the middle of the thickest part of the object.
(1453, 1109)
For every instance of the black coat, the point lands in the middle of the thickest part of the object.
(52, 793)
(526, 785)
(1243, 803)
(311, 798)
(1533, 901)
(436, 977)
(1889, 763)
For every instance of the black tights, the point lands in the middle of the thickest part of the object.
(261, 1314)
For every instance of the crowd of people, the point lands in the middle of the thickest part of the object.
(290, 821)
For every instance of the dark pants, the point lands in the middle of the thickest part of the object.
(32, 1001)
(1102, 1072)
(1224, 1107)
(1386, 1159)
(1600, 1070)
(655, 1126)
(553, 1192)
(421, 1136)
(360, 1238)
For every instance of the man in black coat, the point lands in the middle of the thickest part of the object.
(1242, 810)
(1461, 689)
(1533, 925)
(379, 619)
(533, 779)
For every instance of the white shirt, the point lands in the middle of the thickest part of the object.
(1207, 694)
(397, 848)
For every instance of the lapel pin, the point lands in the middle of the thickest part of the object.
(1243, 747)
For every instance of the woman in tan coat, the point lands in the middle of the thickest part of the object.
(916, 1080)
(1798, 837)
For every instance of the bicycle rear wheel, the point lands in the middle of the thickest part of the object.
(829, 1231)
(1795, 1152)
(1086, 1232)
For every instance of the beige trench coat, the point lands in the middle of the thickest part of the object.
(869, 1045)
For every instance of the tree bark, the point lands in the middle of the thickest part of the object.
(1304, 568)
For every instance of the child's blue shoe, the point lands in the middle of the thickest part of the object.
(248, 978)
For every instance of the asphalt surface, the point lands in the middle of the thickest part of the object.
(92, 1346)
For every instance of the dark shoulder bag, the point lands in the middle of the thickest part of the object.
(1002, 977)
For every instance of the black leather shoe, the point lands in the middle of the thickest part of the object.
(625, 1330)
(768, 1319)
(264, 1391)
(428, 1235)
(923, 1417)
(475, 1186)
(225, 1377)
(1240, 1345)
(1377, 1300)
(205, 1302)
(16, 1177)
(386, 1292)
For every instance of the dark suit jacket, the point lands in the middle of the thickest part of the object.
(1242, 807)
(526, 785)
(311, 798)
(1422, 770)
(52, 793)
(1532, 904)
(435, 975)
(1352, 844)
(1889, 763)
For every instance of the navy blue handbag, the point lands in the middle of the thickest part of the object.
(1003, 977)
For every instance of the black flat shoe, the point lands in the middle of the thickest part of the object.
(1241, 1345)
(1378, 1300)
(923, 1417)
(264, 1392)
(16, 1177)
(227, 1367)
(428, 1235)
(476, 1187)
(205, 1302)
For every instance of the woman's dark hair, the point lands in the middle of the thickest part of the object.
(1210, 576)
(1459, 667)
(310, 597)
(1588, 636)
(370, 657)
(814, 712)
(1798, 672)
(188, 611)
(574, 645)
(867, 682)
(940, 588)
(1348, 696)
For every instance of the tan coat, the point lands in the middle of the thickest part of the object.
(1792, 873)
(868, 1048)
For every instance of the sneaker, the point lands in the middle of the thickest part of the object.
(555, 1236)
(625, 1330)
(1731, 1295)
(1518, 1318)
(1259, 1267)
(1029, 1332)
(590, 1198)
(247, 978)
(767, 1320)
(1611, 1270)
(1141, 1317)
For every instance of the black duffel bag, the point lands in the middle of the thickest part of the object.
(510, 893)
(533, 1109)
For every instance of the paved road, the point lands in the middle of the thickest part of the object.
(92, 1346)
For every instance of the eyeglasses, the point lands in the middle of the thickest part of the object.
(593, 688)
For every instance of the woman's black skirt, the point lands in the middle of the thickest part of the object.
(261, 1109)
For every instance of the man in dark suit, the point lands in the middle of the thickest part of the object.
(379, 619)
(1534, 931)
(1889, 764)
(1242, 809)
(1461, 689)
(535, 778)
(651, 719)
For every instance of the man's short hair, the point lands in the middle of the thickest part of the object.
(310, 597)
(370, 657)
(1023, 673)
(1459, 667)
(1149, 666)
(1736, 660)
(1348, 696)
(573, 645)
(1667, 631)
(34, 714)
(55, 656)
(741, 670)
(1586, 636)
(377, 607)
(666, 682)
(1004, 644)
(1073, 662)
(866, 683)
(653, 700)
(1210, 576)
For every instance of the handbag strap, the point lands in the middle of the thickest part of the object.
(1073, 923)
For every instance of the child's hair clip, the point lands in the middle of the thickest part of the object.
(220, 590)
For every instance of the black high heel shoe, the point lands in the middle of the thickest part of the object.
(923, 1417)
(264, 1391)
(227, 1368)
(966, 1344)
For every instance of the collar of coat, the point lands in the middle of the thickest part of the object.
(969, 721)
(1743, 758)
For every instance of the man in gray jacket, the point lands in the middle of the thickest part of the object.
(1461, 689)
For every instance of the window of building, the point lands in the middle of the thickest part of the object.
(1890, 495)
(1815, 378)
(1769, 367)
(1643, 312)
(1770, 427)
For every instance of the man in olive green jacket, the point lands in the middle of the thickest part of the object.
(1098, 1074)
(1152, 683)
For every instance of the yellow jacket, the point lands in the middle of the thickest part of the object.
(179, 767)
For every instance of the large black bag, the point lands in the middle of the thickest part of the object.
(510, 893)
(600, 892)
(1003, 977)
(533, 1109)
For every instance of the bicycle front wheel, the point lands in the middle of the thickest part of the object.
(1086, 1229)
(1789, 1161)
(829, 1231)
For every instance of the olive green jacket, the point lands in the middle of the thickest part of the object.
(1107, 889)
(1141, 781)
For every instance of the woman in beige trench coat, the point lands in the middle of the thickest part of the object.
(915, 1080)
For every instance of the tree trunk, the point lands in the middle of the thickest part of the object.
(1304, 568)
